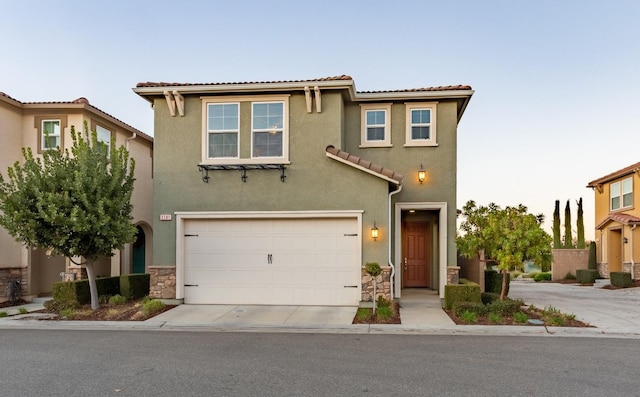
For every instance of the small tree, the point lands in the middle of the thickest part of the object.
(72, 204)
(568, 238)
(508, 237)
(580, 227)
(557, 243)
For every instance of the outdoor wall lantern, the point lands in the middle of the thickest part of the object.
(624, 240)
(422, 174)
(375, 232)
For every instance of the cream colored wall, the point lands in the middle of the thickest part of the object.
(10, 152)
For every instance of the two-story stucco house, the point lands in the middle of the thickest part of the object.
(280, 192)
(47, 126)
(617, 215)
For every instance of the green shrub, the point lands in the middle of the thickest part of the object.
(475, 307)
(542, 276)
(488, 297)
(593, 262)
(467, 292)
(372, 268)
(382, 302)
(494, 318)
(469, 317)
(151, 306)
(515, 274)
(506, 307)
(569, 276)
(117, 300)
(384, 312)
(363, 314)
(108, 285)
(493, 281)
(620, 279)
(520, 317)
(3, 314)
(56, 306)
(135, 286)
(586, 276)
(23, 310)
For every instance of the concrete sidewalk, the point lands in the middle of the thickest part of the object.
(612, 313)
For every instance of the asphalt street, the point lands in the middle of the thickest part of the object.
(150, 363)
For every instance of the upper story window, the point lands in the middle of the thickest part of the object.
(376, 125)
(267, 119)
(223, 120)
(104, 138)
(621, 194)
(420, 124)
(246, 130)
(50, 134)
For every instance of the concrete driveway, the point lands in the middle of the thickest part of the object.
(609, 310)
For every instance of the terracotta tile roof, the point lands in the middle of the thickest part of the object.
(625, 219)
(424, 89)
(367, 166)
(615, 175)
(163, 84)
(82, 101)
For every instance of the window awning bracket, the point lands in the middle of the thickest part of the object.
(243, 168)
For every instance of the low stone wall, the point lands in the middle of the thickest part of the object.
(603, 270)
(568, 261)
(9, 274)
(453, 275)
(626, 267)
(383, 284)
(162, 283)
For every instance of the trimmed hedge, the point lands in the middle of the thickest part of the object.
(586, 276)
(488, 297)
(620, 279)
(493, 281)
(466, 291)
(134, 286)
(542, 276)
(131, 286)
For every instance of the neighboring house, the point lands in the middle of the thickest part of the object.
(279, 192)
(23, 124)
(617, 215)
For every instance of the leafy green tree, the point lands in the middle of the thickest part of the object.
(580, 226)
(568, 238)
(557, 243)
(74, 204)
(507, 235)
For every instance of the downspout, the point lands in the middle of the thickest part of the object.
(132, 137)
(633, 265)
(393, 268)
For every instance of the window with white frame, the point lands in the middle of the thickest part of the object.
(104, 138)
(376, 125)
(621, 194)
(420, 124)
(267, 128)
(245, 129)
(50, 134)
(223, 121)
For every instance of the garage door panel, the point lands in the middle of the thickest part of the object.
(272, 261)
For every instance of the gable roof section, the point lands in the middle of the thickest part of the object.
(79, 103)
(461, 93)
(363, 165)
(622, 218)
(615, 175)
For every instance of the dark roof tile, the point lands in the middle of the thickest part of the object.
(357, 161)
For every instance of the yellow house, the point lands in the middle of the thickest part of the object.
(24, 124)
(617, 215)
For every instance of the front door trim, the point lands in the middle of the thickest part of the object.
(441, 207)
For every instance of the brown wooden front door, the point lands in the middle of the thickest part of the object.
(416, 252)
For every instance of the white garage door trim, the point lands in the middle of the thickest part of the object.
(183, 217)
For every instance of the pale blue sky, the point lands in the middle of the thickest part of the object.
(557, 86)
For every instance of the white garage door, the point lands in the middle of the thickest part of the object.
(272, 261)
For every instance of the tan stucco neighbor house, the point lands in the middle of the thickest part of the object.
(617, 216)
(280, 192)
(23, 124)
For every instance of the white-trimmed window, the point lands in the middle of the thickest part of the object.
(104, 137)
(50, 134)
(621, 194)
(420, 124)
(223, 122)
(376, 125)
(267, 129)
(245, 129)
